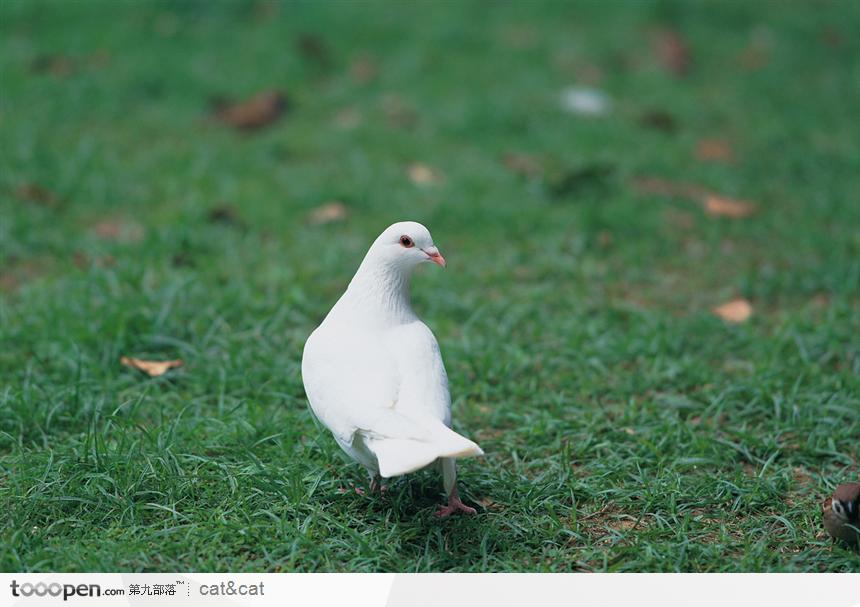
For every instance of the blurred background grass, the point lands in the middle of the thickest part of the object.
(627, 427)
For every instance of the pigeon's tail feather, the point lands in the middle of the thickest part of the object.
(398, 456)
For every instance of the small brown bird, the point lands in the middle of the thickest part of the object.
(842, 513)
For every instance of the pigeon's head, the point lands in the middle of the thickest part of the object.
(405, 245)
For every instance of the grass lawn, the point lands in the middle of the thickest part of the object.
(627, 427)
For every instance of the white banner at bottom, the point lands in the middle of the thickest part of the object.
(426, 590)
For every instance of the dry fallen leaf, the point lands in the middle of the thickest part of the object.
(421, 174)
(348, 118)
(153, 368)
(489, 503)
(720, 206)
(57, 65)
(328, 213)
(672, 52)
(8, 281)
(398, 112)
(523, 164)
(226, 215)
(832, 37)
(254, 113)
(713, 204)
(32, 192)
(313, 48)
(119, 230)
(659, 121)
(520, 37)
(62, 66)
(99, 59)
(718, 150)
(364, 68)
(734, 311)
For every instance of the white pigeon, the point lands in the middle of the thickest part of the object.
(373, 373)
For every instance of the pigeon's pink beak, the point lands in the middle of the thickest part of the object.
(435, 256)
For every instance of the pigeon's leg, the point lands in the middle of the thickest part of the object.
(449, 479)
(376, 483)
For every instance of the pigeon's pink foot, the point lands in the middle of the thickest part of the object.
(376, 485)
(455, 504)
(358, 490)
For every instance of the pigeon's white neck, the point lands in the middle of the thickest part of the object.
(379, 292)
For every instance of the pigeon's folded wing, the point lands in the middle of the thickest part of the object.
(348, 381)
(353, 386)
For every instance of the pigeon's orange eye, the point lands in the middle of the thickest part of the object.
(406, 242)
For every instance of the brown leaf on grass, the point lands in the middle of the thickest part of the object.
(520, 37)
(265, 10)
(720, 206)
(119, 230)
(659, 121)
(99, 59)
(16, 271)
(313, 48)
(364, 68)
(802, 477)
(735, 311)
(714, 205)
(832, 37)
(8, 281)
(82, 261)
(820, 300)
(32, 192)
(348, 118)
(421, 174)
(57, 65)
(182, 259)
(62, 66)
(225, 215)
(489, 503)
(588, 73)
(755, 56)
(714, 149)
(398, 112)
(523, 164)
(605, 239)
(254, 113)
(328, 213)
(627, 523)
(672, 52)
(153, 368)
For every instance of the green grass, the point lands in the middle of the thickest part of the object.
(626, 427)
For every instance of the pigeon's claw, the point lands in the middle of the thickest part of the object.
(454, 505)
(358, 490)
